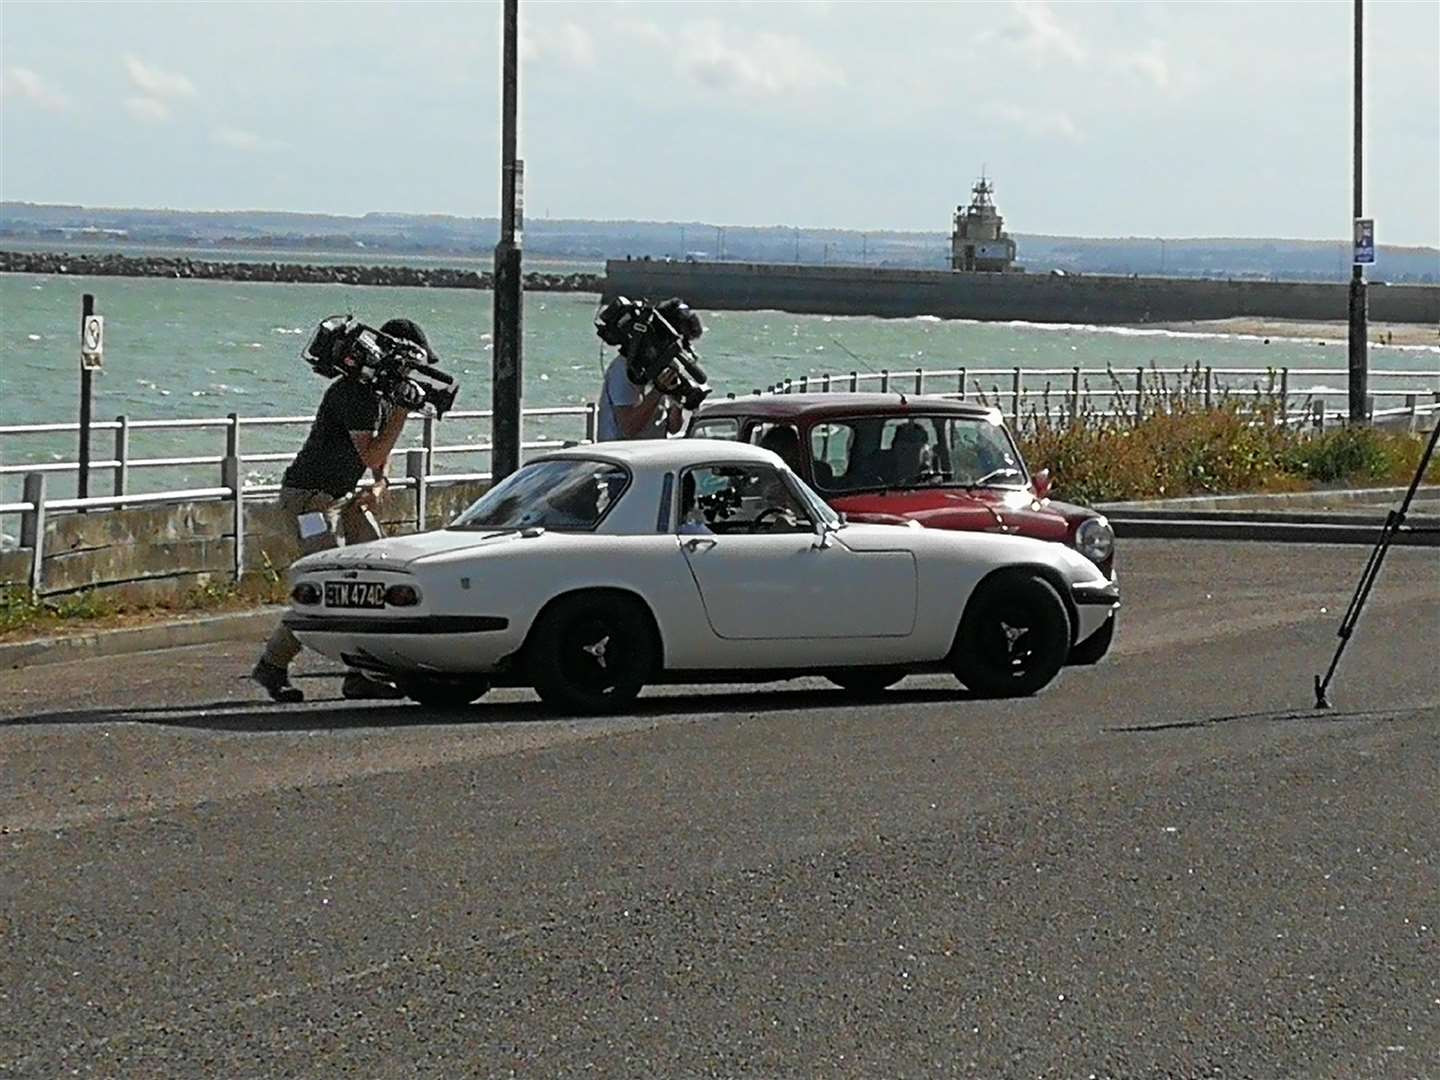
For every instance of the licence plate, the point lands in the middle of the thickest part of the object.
(355, 594)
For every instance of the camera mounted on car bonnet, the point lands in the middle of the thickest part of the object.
(398, 370)
(655, 341)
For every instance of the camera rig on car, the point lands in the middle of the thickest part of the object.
(655, 341)
(399, 371)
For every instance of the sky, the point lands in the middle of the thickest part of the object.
(1094, 119)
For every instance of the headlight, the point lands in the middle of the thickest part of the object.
(1095, 539)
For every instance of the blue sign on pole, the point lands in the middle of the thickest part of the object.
(1364, 241)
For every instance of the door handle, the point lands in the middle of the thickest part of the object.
(695, 543)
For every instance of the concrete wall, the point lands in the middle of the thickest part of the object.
(848, 290)
(159, 553)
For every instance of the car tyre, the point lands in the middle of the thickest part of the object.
(1014, 637)
(866, 682)
(592, 653)
(1093, 649)
(446, 693)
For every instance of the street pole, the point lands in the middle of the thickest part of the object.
(506, 382)
(1358, 315)
(87, 308)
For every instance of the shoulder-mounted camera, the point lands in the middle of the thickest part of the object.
(655, 341)
(398, 370)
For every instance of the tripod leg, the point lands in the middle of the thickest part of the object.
(1393, 521)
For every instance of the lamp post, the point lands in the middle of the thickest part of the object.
(1358, 316)
(506, 382)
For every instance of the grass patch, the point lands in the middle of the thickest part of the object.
(1233, 447)
(22, 616)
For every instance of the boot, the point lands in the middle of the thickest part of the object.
(276, 681)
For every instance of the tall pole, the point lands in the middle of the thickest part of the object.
(506, 383)
(1358, 314)
(82, 488)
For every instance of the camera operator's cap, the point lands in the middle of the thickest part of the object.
(410, 331)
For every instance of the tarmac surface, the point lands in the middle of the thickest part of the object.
(1169, 865)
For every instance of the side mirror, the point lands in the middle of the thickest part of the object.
(843, 519)
(1042, 483)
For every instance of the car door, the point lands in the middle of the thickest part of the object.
(764, 573)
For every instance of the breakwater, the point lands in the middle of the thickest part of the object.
(1088, 299)
(114, 265)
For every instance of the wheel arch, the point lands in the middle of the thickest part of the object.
(611, 591)
(1049, 573)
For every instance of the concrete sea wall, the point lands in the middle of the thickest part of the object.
(110, 265)
(1095, 299)
(155, 554)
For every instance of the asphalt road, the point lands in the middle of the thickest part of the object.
(1166, 866)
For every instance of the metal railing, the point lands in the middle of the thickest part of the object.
(231, 427)
(1021, 393)
(1026, 394)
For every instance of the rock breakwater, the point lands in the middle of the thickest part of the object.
(112, 265)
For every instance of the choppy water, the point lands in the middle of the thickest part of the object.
(208, 348)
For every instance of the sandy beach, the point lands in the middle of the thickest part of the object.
(1337, 331)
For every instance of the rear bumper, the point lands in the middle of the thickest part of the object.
(436, 644)
(381, 624)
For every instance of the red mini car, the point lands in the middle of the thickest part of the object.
(899, 458)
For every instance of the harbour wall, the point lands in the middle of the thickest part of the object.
(1073, 298)
(112, 265)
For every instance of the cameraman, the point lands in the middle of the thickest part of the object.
(628, 411)
(354, 430)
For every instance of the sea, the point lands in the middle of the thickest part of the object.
(191, 349)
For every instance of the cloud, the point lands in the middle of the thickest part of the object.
(155, 83)
(569, 43)
(147, 110)
(1037, 31)
(239, 139)
(760, 65)
(27, 85)
(1042, 123)
(1149, 63)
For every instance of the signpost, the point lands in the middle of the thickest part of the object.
(1359, 315)
(1364, 241)
(507, 385)
(92, 354)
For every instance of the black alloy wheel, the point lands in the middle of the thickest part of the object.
(592, 653)
(445, 693)
(1014, 637)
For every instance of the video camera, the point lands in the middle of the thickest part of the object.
(655, 342)
(397, 370)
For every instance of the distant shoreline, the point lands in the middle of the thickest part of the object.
(287, 273)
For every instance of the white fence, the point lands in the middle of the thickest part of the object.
(1022, 393)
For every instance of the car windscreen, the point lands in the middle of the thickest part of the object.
(567, 495)
(876, 452)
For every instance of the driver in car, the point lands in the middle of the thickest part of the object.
(910, 454)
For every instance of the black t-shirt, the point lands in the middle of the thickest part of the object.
(329, 461)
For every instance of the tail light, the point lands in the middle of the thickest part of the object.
(402, 596)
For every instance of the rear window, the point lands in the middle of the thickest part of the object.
(567, 495)
(716, 429)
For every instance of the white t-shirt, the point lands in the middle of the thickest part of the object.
(619, 390)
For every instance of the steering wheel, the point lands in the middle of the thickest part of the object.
(776, 511)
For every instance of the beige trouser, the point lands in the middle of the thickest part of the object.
(355, 524)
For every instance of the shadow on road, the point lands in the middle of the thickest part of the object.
(323, 714)
(1277, 716)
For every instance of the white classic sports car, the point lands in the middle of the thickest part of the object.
(593, 571)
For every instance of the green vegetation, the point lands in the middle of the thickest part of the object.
(22, 616)
(1181, 447)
